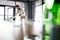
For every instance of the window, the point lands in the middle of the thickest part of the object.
(8, 12)
(1, 13)
(38, 20)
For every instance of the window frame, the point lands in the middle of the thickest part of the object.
(8, 6)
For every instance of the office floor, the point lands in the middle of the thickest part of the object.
(7, 31)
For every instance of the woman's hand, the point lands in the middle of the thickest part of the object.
(23, 17)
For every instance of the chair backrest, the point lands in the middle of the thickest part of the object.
(55, 32)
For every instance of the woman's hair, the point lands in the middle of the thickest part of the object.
(17, 5)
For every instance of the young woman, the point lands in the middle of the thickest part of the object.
(20, 19)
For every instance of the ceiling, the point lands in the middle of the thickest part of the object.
(20, 0)
(12, 2)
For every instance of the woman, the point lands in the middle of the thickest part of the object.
(20, 19)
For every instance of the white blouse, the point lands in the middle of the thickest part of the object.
(18, 18)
